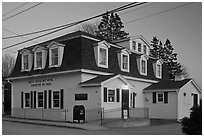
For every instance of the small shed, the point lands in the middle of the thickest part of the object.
(170, 99)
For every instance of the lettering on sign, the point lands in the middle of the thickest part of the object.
(41, 82)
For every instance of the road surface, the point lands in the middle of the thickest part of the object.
(15, 128)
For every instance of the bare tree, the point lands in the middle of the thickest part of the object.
(89, 27)
(8, 63)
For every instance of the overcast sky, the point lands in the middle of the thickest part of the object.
(182, 25)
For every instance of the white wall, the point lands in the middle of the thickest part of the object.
(186, 102)
(69, 82)
(162, 110)
(138, 89)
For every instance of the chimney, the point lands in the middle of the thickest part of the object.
(179, 77)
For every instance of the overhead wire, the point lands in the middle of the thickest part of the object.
(78, 22)
(22, 11)
(56, 27)
(15, 9)
(154, 14)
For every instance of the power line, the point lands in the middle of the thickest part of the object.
(17, 34)
(15, 9)
(158, 13)
(75, 23)
(136, 9)
(22, 11)
(56, 27)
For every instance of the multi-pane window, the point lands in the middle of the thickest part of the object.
(25, 62)
(144, 49)
(124, 62)
(139, 47)
(143, 66)
(160, 97)
(38, 59)
(158, 70)
(27, 99)
(111, 95)
(56, 99)
(103, 56)
(54, 56)
(134, 45)
(40, 99)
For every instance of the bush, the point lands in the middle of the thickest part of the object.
(193, 125)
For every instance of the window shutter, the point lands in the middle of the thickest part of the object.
(50, 99)
(22, 100)
(34, 99)
(45, 98)
(118, 94)
(31, 99)
(165, 97)
(105, 94)
(154, 97)
(62, 99)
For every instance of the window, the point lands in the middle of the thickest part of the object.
(139, 48)
(25, 62)
(144, 49)
(103, 57)
(111, 95)
(54, 56)
(27, 100)
(143, 67)
(38, 59)
(56, 99)
(40, 99)
(158, 69)
(160, 97)
(125, 64)
(134, 45)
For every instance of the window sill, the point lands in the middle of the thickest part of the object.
(124, 70)
(38, 68)
(103, 66)
(23, 70)
(54, 66)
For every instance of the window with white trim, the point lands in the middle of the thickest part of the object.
(143, 67)
(111, 95)
(56, 99)
(27, 100)
(144, 49)
(25, 61)
(38, 59)
(139, 47)
(103, 57)
(40, 99)
(158, 70)
(125, 62)
(54, 56)
(134, 45)
(160, 97)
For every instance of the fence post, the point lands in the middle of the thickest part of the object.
(65, 115)
(101, 116)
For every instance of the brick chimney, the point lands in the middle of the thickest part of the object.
(179, 77)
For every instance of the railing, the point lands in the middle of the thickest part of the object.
(139, 112)
(40, 114)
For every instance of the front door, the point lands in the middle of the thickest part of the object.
(125, 103)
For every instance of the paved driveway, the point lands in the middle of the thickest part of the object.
(14, 128)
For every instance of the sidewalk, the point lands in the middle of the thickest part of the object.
(84, 126)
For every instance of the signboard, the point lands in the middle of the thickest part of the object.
(125, 114)
(41, 82)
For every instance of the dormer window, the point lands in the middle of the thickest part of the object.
(143, 65)
(54, 56)
(158, 69)
(38, 59)
(103, 57)
(144, 49)
(134, 45)
(56, 51)
(25, 62)
(139, 47)
(101, 54)
(123, 59)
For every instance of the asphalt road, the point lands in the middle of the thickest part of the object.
(14, 128)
